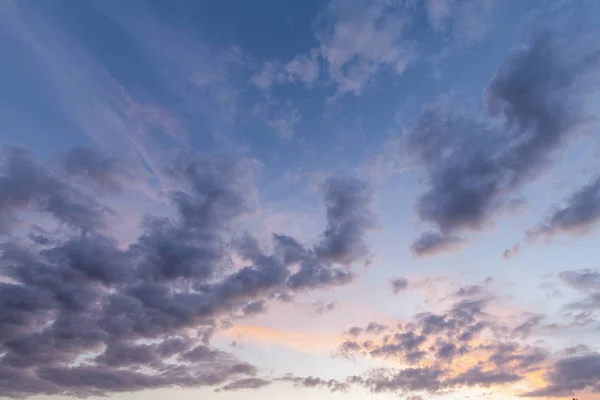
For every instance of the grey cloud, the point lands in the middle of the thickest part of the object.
(313, 382)
(106, 173)
(406, 380)
(579, 213)
(478, 377)
(570, 375)
(79, 293)
(349, 207)
(580, 348)
(375, 328)
(584, 279)
(399, 285)
(436, 340)
(319, 307)
(512, 354)
(462, 323)
(354, 331)
(98, 380)
(511, 252)
(472, 169)
(525, 328)
(25, 185)
(470, 291)
(350, 216)
(433, 243)
(246, 383)
(254, 307)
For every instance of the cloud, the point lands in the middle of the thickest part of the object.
(478, 377)
(313, 382)
(578, 215)
(570, 375)
(349, 205)
(86, 96)
(108, 174)
(357, 41)
(512, 252)
(526, 327)
(320, 308)
(465, 346)
(399, 285)
(430, 243)
(81, 315)
(246, 383)
(303, 68)
(25, 185)
(361, 39)
(472, 168)
(587, 282)
(583, 279)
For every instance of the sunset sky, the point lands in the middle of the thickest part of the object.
(299, 199)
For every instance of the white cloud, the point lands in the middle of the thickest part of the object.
(357, 40)
(364, 38)
(304, 68)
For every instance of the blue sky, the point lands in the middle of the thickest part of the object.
(343, 199)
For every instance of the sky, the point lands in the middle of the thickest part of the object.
(279, 199)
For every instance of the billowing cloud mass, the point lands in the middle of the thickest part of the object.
(472, 168)
(466, 346)
(81, 315)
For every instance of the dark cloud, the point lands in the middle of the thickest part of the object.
(254, 307)
(108, 174)
(430, 243)
(405, 381)
(432, 344)
(399, 285)
(472, 168)
(570, 375)
(579, 213)
(26, 185)
(81, 315)
(349, 205)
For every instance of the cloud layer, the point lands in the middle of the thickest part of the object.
(473, 168)
(82, 315)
